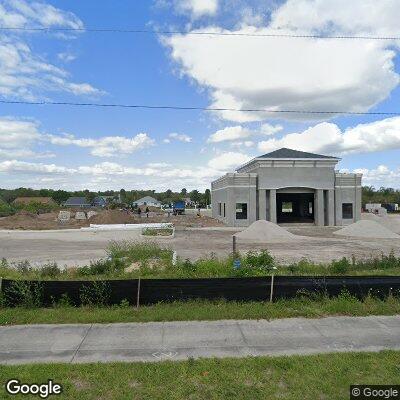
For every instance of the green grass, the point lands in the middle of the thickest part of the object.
(325, 376)
(204, 310)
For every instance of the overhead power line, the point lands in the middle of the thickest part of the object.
(197, 33)
(193, 108)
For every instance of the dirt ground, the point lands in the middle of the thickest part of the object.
(48, 221)
(74, 247)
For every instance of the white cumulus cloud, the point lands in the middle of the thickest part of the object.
(197, 8)
(180, 137)
(23, 73)
(228, 161)
(108, 146)
(328, 138)
(296, 73)
(239, 132)
(17, 137)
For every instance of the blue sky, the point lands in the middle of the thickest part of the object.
(97, 148)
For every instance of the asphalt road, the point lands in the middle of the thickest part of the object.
(156, 341)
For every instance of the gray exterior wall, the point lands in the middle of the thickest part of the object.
(347, 190)
(286, 174)
(257, 183)
(232, 189)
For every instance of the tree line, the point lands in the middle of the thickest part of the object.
(124, 196)
(382, 195)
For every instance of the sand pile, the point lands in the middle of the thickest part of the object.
(390, 222)
(367, 229)
(265, 231)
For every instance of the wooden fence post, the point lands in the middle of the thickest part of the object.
(234, 245)
(138, 294)
(271, 293)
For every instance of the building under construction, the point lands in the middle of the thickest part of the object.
(288, 186)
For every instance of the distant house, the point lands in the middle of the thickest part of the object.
(99, 201)
(147, 201)
(41, 200)
(77, 202)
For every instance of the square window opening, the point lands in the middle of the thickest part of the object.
(241, 210)
(347, 210)
(287, 207)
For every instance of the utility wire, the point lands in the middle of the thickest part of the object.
(173, 32)
(185, 108)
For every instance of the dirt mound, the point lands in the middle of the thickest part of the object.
(113, 217)
(29, 221)
(265, 231)
(367, 229)
(390, 222)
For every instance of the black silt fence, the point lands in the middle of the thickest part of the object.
(239, 289)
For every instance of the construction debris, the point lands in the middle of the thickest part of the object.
(64, 216)
(91, 214)
(80, 215)
(123, 227)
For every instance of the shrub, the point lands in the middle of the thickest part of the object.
(24, 294)
(130, 251)
(96, 293)
(101, 267)
(22, 266)
(6, 209)
(340, 267)
(64, 301)
(124, 303)
(261, 261)
(50, 270)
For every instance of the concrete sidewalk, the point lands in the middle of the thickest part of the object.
(157, 341)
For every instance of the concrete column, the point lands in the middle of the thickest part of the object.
(252, 206)
(262, 204)
(230, 207)
(338, 207)
(357, 204)
(272, 205)
(319, 207)
(331, 207)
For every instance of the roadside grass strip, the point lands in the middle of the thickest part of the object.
(325, 376)
(203, 310)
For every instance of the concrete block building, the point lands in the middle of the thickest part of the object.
(287, 186)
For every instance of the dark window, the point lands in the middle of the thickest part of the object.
(347, 211)
(241, 210)
(219, 208)
(224, 209)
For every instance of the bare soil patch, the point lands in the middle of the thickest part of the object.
(49, 221)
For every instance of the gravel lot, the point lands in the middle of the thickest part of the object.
(74, 247)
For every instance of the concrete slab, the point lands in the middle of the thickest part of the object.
(157, 341)
(40, 343)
